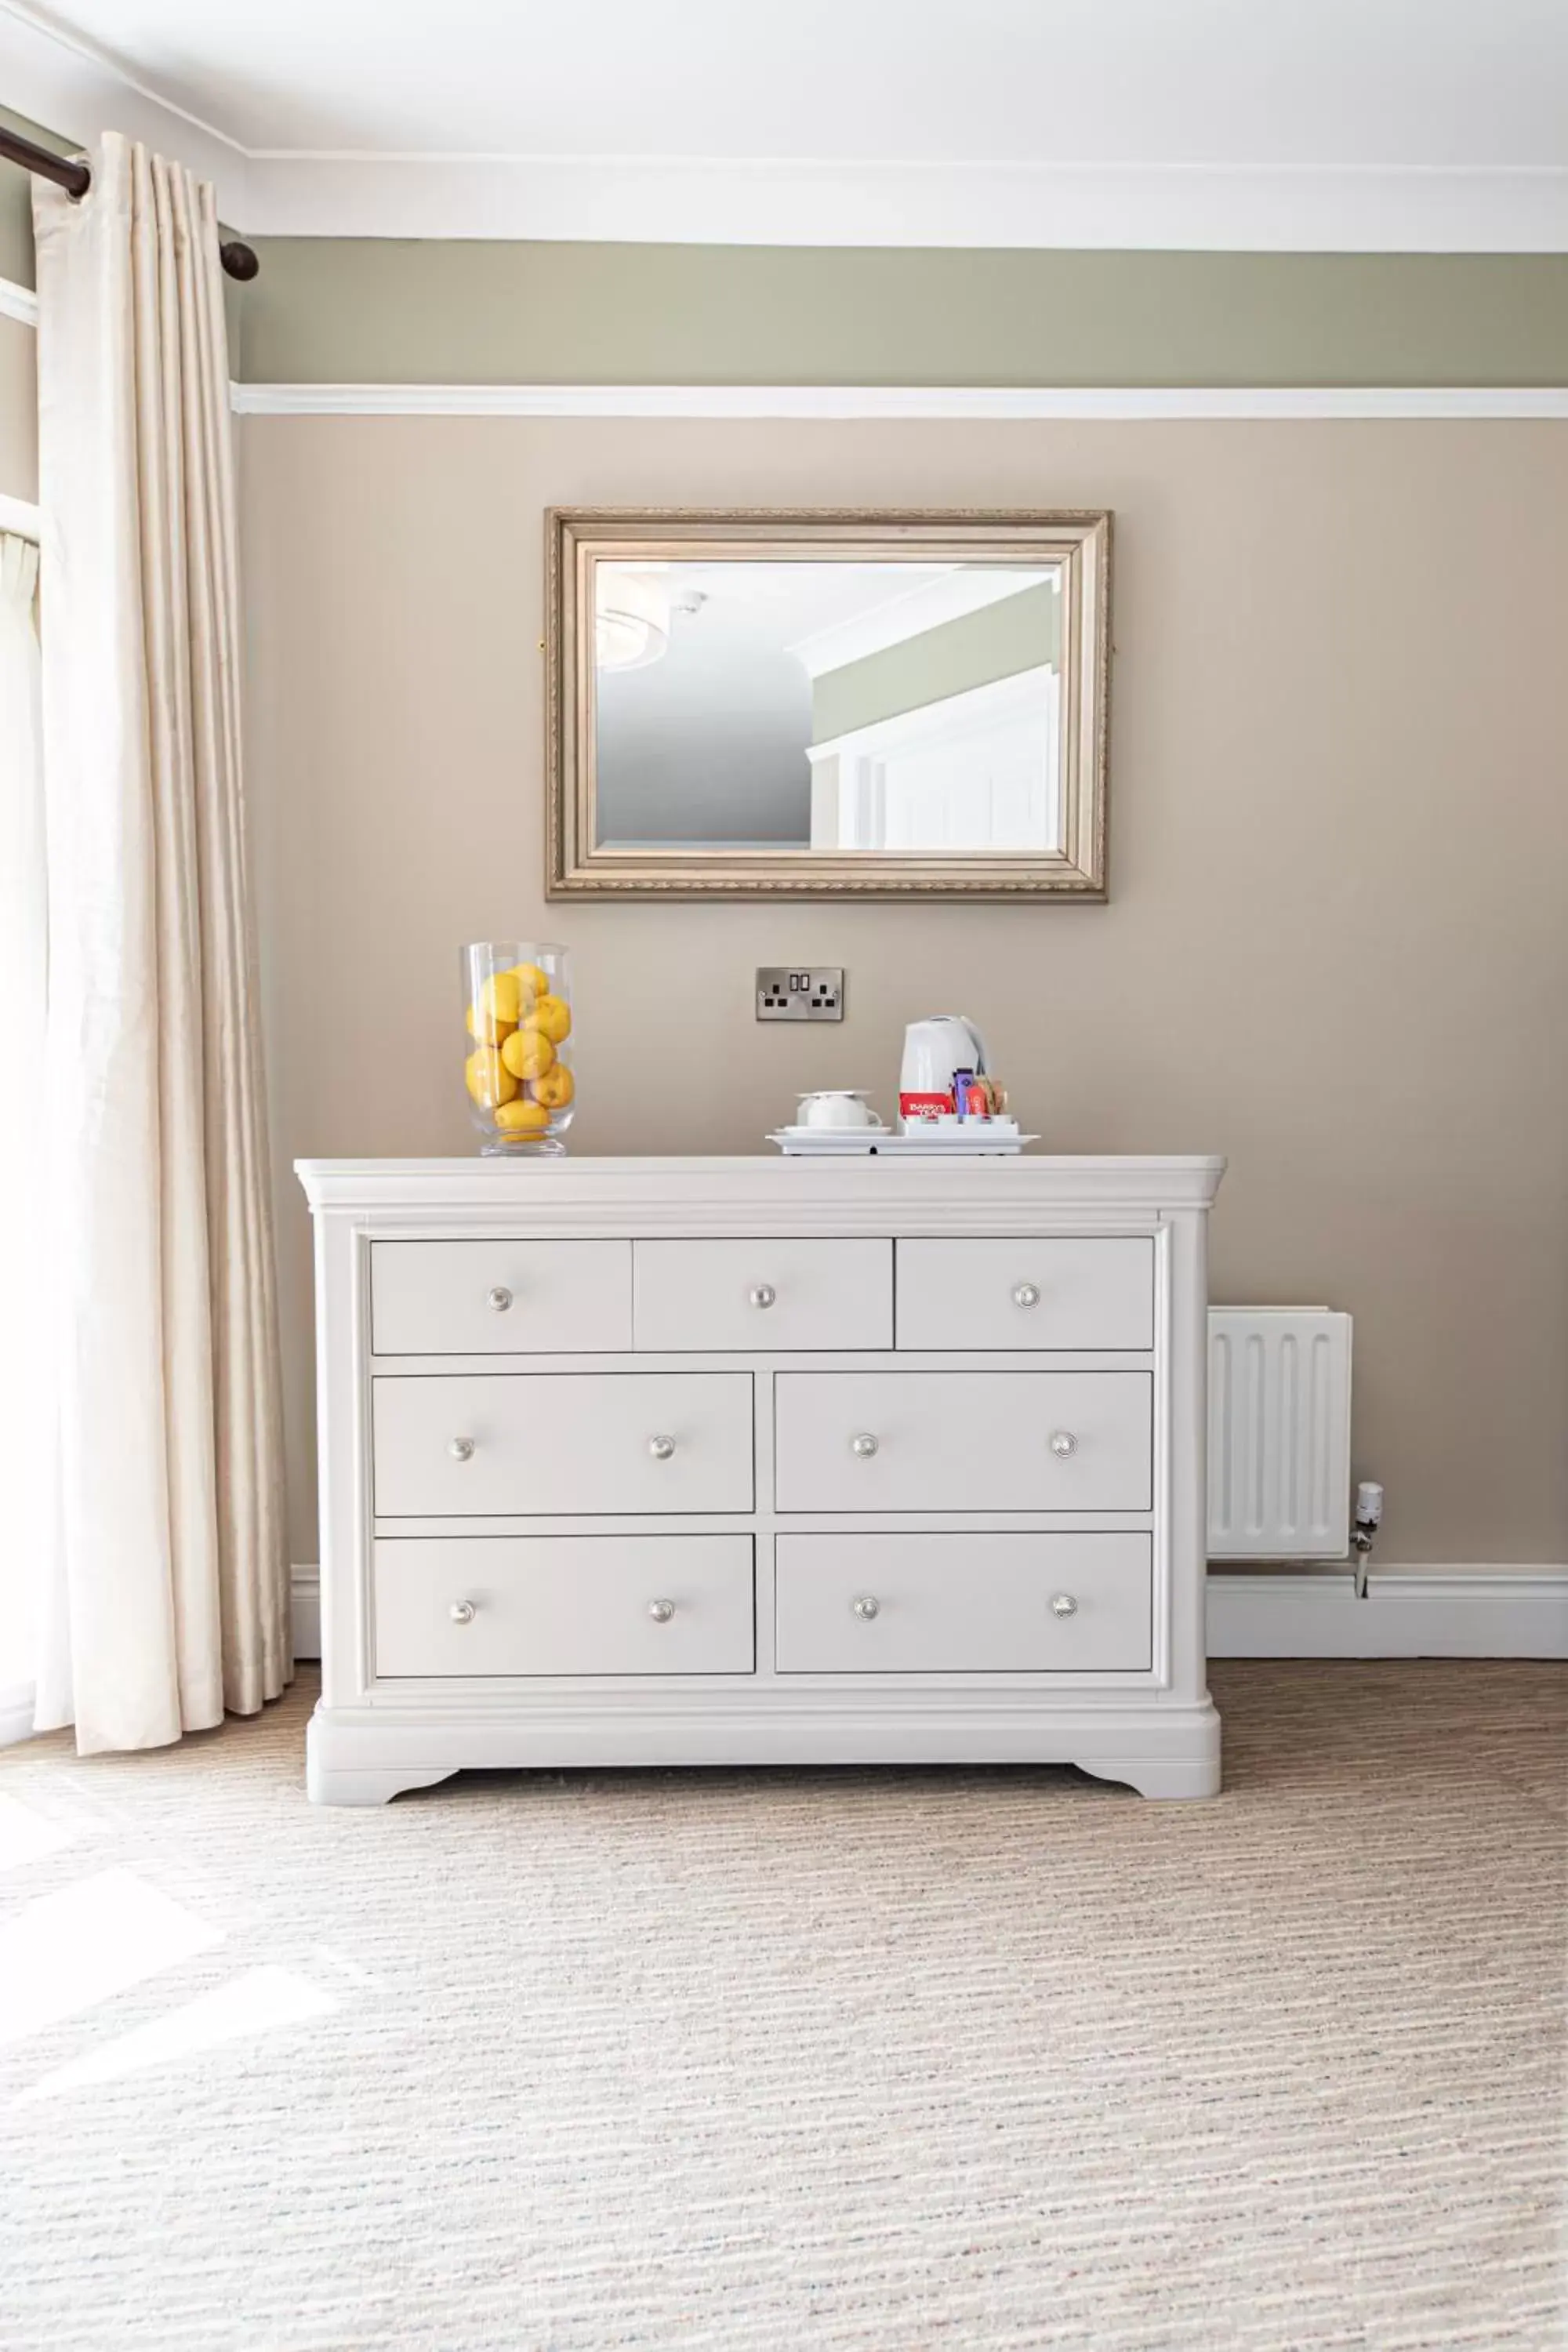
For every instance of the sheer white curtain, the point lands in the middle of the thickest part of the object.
(170, 1456)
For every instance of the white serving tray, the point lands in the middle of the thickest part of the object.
(963, 1139)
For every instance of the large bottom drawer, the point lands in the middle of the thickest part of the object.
(857, 1604)
(564, 1605)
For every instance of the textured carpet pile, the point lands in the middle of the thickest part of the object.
(833, 2062)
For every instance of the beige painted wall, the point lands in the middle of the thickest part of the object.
(1337, 945)
(19, 410)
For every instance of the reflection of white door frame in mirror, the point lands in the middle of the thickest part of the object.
(850, 775)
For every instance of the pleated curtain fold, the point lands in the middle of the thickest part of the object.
(170, 1452)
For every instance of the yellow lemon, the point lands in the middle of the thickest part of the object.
(522, 1119)
(527, 1053)
(488, 1027)
(500, 998)
(531, 981)
(553, 1016)
(489, 1079)
(555, 1088)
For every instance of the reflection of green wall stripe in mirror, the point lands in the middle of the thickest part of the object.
(1020, 633)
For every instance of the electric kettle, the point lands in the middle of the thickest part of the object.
(933, 1050)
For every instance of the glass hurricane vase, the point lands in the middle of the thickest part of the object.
(517, 1044)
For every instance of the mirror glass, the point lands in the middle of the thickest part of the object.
(827, 707)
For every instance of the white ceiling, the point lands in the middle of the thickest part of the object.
(1334, 122)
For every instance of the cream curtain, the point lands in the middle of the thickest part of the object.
(169, 1450)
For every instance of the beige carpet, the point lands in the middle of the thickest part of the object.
(893, 2061)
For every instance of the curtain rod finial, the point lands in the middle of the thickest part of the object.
(240, 261)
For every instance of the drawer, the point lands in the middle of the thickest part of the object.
(1016, 1441)
(887, 1604)
(565, 1605)
(1027, 1294)
(500, 1298)
(495, 1443)
(764, 1295)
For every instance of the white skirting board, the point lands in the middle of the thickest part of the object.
(1408, 1612)
(1447, 1612)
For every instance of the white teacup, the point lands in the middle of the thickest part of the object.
(836, 1107)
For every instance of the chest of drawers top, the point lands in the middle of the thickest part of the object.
(1033, 1193)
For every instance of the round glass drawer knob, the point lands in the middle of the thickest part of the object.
(661, 1448)
(1027, 1294)
(1063, 1442)
(865, 1606)
(863, 1446)
(461, 1612)
(461, 1449)
(661, 1612)
(1063, 1605)
(764, 1295)
(499, 1299)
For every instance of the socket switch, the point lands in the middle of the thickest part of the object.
(784, 994)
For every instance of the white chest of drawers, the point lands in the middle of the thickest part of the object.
(755, 1460)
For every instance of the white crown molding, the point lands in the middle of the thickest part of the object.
(980, 404)
(18, 303)
(733, 201)
(1409, 1612)
(78, 89)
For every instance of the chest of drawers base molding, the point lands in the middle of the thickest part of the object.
(921, 1479)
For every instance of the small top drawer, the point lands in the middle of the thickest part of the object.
(1091, 1292)
(500, 1298)
(763, 1295)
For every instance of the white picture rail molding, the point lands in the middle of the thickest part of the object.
(22, 517)
(18, 303)
(972, 404)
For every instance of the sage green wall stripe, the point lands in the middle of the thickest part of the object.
(977, 649)
(384, 310)
(17, 199)
(16, 226)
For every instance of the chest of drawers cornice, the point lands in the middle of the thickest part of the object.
(761, 1462)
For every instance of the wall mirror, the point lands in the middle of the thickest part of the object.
(818, 705)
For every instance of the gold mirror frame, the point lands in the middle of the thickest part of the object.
(577, 539)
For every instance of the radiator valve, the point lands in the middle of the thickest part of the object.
(1363, 1535)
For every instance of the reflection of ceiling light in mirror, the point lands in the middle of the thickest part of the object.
(632, 619)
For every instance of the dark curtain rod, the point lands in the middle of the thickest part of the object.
(238, 260)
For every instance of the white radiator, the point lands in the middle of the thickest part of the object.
(1279, 1433)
